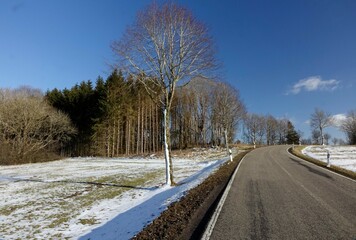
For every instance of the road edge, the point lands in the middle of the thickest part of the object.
(210, 227)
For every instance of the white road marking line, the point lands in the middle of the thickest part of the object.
(214, 218)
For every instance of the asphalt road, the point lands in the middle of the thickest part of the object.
(277, 196)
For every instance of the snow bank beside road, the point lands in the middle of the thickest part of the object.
(341, 156)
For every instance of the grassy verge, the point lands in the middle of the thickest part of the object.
(297, 151)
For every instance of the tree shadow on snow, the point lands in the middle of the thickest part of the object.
(127, 224)
(81, 182)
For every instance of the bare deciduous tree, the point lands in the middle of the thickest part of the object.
(271, 130)
(349, 127)
(253, 128)
(282, 130)
(28, 124)
(320, 120)
(259, 129)
(203, 90)
(192, 113)
(165, 45)
(228, 110)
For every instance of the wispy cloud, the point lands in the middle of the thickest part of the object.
(338, 119)
(314, 83)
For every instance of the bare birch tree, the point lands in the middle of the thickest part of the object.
(320, 120)
(250, 129)
(166, 44)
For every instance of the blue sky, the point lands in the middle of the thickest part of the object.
(285, 57)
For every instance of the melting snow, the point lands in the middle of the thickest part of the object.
(92, 198)
(341, 156)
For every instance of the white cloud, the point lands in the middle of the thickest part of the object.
(338, 119)
(314, 83)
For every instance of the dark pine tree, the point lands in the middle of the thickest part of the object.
(292, 135)
(81, 105)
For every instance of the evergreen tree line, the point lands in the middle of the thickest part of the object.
(117, 116)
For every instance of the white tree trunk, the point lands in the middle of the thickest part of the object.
(169, 167)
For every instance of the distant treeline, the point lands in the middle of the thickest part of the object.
(30, 129)
(117, 116)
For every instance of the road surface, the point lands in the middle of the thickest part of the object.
(278, 196)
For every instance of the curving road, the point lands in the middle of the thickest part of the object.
(278, 196)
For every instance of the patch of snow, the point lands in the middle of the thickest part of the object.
(54, 199)
(341, 156)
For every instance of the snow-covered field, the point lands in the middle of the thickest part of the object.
(341, 156)
(93, 198)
